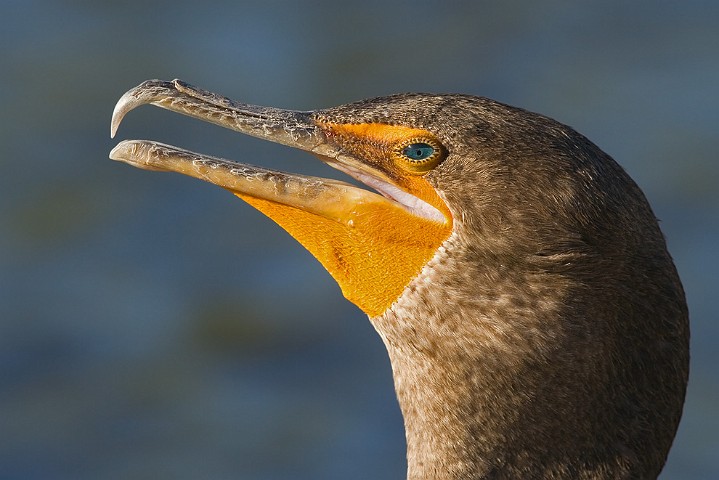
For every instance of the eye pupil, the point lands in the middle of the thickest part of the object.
(418, 151)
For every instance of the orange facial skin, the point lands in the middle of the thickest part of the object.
(381, 246)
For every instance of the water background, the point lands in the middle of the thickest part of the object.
(152, 326)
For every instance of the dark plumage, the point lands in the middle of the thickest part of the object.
(547, 336)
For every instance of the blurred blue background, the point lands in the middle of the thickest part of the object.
(153, 326)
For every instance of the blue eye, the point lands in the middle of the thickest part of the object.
(419, 155)
(418, 151)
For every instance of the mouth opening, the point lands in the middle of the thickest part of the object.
(415, 205)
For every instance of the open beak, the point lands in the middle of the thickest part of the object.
(331, 199)
(372, 244)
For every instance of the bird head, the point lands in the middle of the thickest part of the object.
(533, 317)
(373, 244)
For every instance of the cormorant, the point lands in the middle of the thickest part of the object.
(534, 320)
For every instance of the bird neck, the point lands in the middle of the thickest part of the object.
(493, 417)
(442, 429)
(503, 385)
(464, 421)
(452, 395)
